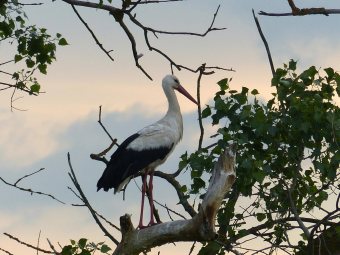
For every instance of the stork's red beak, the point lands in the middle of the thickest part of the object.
(186, 93)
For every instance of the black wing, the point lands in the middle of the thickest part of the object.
(125, 163)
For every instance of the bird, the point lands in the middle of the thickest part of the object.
(148, 148)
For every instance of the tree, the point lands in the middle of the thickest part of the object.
(287, 167)
(34, 46)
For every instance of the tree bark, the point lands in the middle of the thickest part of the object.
(199, 228)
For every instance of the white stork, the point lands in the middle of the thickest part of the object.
(143, 151)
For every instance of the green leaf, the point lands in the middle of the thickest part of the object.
(330, 72)
(206, 112)
(254, 92)
(260, 216)
(62, 42)
(105, 248)
(67, 250)
(223, 84)
(184, 189)
(259, 176)
(17, 58)
(35, 88)
(30, 63)
(82, 243)
(292, 65)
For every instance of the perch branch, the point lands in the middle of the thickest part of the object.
(199, 228)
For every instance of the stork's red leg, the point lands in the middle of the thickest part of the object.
(140, 225)
(152, 222)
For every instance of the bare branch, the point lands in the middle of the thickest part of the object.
(86, 202)
(27, 244)
(30, 190)
(28, 175)
(5, 251)
(118, 14)
(38, 242)
(155, 1)
(52, 247)
(101, 124)
(92, 33)
(265, 43)
(133, 46)
(182, 199)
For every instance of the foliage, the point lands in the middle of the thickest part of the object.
(288, 153)
(35, 47)
(83, 247)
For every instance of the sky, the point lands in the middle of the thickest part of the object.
(64, 119)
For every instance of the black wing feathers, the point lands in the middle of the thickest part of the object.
(126, 162)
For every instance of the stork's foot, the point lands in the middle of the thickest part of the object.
(151, 223)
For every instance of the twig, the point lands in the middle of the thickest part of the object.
(133, 47)
(157, 31)
(265, 43)
(192, 248)
(28, 175)
(6, 251)
(30, 190)
(92, 33)
(27, 244)
(100, 156)
(101, 124)
(118, 14)
(86, 202)
(52, 247)
(38, 242)
(155, 2)
(182, 199)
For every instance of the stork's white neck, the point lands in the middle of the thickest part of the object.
(173, 105)
(173, 116)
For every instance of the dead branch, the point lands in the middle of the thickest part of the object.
(199, 228)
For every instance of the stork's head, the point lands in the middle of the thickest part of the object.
(171, 81)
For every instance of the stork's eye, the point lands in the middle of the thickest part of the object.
(176, 80)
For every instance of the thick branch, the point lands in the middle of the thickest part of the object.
(200, 228)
